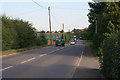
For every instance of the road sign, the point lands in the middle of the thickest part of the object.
(75, 37)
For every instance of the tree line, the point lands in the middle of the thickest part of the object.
(106, 42)
(17, 33)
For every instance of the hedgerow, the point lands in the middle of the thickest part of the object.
(110, 57)
(17, 33)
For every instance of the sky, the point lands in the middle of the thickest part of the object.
(73, 14)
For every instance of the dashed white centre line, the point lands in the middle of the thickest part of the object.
(62, 47)
(43, 55)
(28, 60)
(51, 52)
(6, 68)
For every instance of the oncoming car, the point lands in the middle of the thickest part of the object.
(60, 42)
(72, 43)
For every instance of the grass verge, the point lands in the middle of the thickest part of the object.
(90, 43)
(11, 51)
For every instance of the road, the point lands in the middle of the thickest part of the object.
(49, 62)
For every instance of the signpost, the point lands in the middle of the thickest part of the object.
(75, 38)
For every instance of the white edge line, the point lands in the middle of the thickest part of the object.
(27, 60)
(77, 64)
(6, 68)
(80, 59)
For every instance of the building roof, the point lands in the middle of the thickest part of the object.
(53, 34)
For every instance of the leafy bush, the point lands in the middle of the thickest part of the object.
(16, 33)
(25, 33)
(68, 37)
(9, 34)
(97, 40)
(41, 41)
(110, 56)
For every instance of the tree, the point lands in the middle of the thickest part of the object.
(42, 39)
(16, 33)
(68, 36)
(56, 32)
(61, 31)
(47, 31)
(80, 33)
(108, 24)
(42, 31)
(107, 16)
(108, 19)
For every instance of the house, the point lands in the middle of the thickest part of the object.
(54, 37)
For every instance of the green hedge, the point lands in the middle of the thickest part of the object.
(17, 34)
(41, 40)
(110, 56)
(68, 37)
(97, 40)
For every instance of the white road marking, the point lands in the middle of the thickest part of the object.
(79, 61)
(51, 52)
(6, 68)
(57, 49)
(54, 51)
(62, 47)
(27, 60)
(77, 64)
(43, 55)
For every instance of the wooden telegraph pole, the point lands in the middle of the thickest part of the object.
(63, 27)
(63, 32)
(96, 25)
(50, 26)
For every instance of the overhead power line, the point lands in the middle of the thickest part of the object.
(69, 8)
(55, 18)
(46, 8)
(39, 5)
(28, 12)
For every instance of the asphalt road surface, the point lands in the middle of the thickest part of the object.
(49, 62)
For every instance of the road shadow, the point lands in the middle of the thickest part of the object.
(87, 51)
(84, 72)
(39, 69)
(49, 70)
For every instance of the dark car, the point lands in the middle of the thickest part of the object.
(60, 42)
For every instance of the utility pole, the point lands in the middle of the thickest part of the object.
(63, 32)
(63, 27)
(96, 25)
(50, 26)
(96, 1)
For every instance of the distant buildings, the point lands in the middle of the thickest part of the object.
(54, 36)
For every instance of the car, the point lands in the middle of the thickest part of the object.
(60, 42)
(75, 41)
(72, 43)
